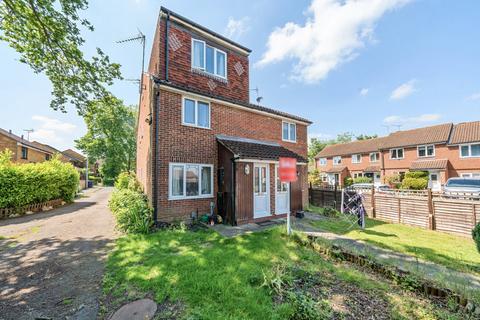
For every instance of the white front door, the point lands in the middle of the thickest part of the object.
(261, 190)
(282, 194)
(376, 178)
(434, 181)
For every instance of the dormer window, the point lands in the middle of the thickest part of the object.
(209, 59)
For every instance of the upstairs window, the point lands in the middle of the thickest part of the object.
(209, 59)
(196, 113)
(337, 160)
(24, 153)
(374, 156)
(289, 131)
(396, 153)
(322, 161)
(470, 151)
(356, 158)
(426, 151)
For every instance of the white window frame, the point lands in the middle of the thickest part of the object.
(184, 196)
(335, 160)
(397, 158)
(473, 175)
(322, 162)
(469, 145)
(196, 125)
(377, 156)
(354, 158)
(215, 50)
(426, 151)
(289, 131)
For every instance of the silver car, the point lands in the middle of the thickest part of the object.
(462, 185)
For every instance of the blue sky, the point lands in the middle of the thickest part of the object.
(366, 67)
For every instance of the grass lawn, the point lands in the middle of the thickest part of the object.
(201, 275)
(452, 251)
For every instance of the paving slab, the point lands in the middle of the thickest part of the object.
(143, 309)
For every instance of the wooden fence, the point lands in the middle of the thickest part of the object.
(456, 214)
(31, 208)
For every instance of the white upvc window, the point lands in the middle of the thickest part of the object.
(190, 181)
(470, 150)
(396, 153)
(374, 156)
(195, 113)
(426, 151)
(289, 131)
(209, 59)
(337, 160)
(356, 158)
(322, 161)
(470, 175)
(357, 175)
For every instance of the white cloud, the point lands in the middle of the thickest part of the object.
(364, 91)
(51, 131)
(401, 120)
(236, 28)
(404, 90)
(474, 97)
(333, 33)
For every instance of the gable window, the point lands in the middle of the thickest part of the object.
(356, 158)
(322, 161)
(24, 153)
(47, 157)
(337, 160)
(190, 181)
(470, 151)
(209, 59)
(289, 131)
(396, 153)
(196, 113)
(426, 151)
(374, 156)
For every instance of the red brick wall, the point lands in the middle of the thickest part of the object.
(180, 71)
(187, 144)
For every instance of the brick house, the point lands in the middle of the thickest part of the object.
(23, 150)
(446, 150)
(200, 143)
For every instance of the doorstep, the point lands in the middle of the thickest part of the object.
(233, 231)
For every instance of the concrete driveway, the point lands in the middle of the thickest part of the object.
(51, 263)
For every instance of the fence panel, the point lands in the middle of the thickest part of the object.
(414, 211)
(454, 216)
(387, 207)
(326, 197)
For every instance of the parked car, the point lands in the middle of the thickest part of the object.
(461, 185)
(378, 187)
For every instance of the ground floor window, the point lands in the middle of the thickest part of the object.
(470, 175)
(188, 180)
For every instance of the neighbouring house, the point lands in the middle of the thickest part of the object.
(78, 160)
(201, 144)
(444, 151)
(23, 150)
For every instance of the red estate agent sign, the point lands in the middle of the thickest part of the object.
(288, 169)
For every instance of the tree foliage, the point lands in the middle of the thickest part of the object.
(366, 136)
(316, 145)
(110, 137)
(46, 34)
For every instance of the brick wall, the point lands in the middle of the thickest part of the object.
(10, 144)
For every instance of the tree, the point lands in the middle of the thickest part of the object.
(316, 145)
(110, 136)
(46, 34)
(344, 137)
(366, 137)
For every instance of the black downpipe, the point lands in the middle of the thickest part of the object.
(167, 27)
(233, 189)
(155, 157)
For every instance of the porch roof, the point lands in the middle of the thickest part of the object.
(256, 149)
(336, 169)
(429, 164)
(372, 169)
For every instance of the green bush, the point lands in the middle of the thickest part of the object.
(306, 308)
(24, 184)
(395, 181)
(417, 174)
(347, 181)
(476, 235)
(131, 211)
(415, 180)
(314, 178)
(128, 180)
(362, 180)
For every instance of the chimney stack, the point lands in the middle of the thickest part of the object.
(10, 131)
(22, 136)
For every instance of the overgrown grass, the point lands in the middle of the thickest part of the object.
(218, 278)
(455, 252)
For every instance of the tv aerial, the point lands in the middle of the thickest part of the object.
(140, 37)
(259, 98)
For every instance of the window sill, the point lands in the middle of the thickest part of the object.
(190, 198)
(194, 126)
(291, 141)
(209, 75)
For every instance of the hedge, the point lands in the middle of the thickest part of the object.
(362, 180)
(415, 180)
(476, 236)
(131, 211)
(24, 184)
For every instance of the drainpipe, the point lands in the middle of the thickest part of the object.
(155, 111)
(233, 189)
(167, 27)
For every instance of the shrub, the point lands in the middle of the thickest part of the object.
(131, 211)
(314, 178)
(362, 180)
(395, 181)
(417, 174)
(306, 308)
(347, 181)
(476, 235)
(415, 183)
(128, 180)
(24, 184)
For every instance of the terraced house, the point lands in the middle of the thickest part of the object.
(446, 150)
(201, 145)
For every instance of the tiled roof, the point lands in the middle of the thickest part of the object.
(372, 169)
(429, 164)
(237, 102)
(45, 146)
(359, 146)
(258, 150)
(73, 154)
(434, 134)
(465, 132)
(336, 169)
(24, 141)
